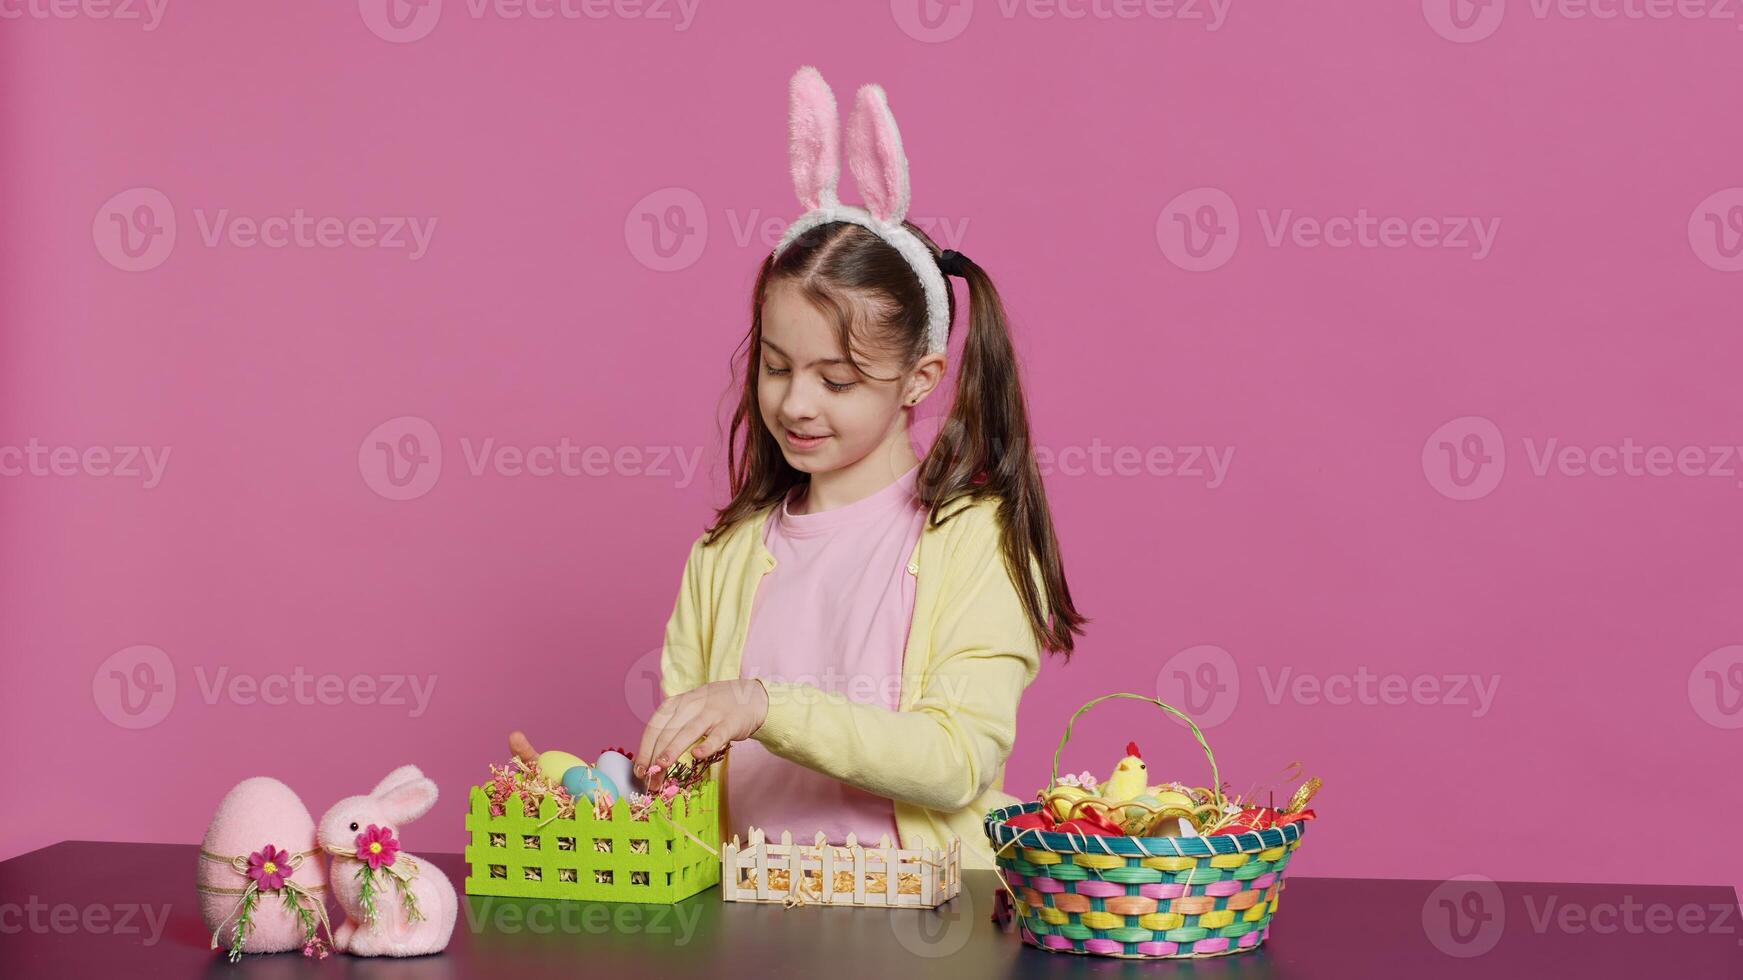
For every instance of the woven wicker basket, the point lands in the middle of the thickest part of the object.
(1141, 897)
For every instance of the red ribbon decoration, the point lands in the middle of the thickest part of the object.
(1263, 818)
(1092, 822)
(1041, 819)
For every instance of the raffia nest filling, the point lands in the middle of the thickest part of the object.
(781, 880)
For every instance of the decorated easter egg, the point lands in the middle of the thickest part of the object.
(553, 764)
(1169, 798)
(257, 814)
(1173, 827)
(1062, 797)
(616, 767)
(583, 781)
(1137, 819)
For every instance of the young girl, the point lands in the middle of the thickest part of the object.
(860, 623)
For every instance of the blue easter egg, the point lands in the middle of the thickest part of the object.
(583, 781)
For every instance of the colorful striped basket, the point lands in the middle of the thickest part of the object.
(1141, 897)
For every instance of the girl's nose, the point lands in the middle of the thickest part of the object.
(798, 405)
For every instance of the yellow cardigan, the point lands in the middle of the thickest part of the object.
(969, 655)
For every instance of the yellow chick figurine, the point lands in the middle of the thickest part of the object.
(1130, 784)
(1130, 778)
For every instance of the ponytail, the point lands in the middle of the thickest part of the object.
(983, 450)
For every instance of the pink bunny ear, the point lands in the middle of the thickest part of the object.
(407, 801)
(874, 154)
(813, 139)
(404, 774)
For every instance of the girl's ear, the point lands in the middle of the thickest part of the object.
(874, 154)
(814, 139)
(408, 801)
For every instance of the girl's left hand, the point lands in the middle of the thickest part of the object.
(719, 713)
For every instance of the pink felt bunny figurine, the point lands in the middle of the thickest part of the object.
(395, 904)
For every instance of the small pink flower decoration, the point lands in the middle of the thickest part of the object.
(1083, 780)
(268, 867)
(376, 847)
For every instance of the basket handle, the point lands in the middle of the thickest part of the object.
(1216, 783)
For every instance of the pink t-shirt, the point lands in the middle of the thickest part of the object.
(834, 614)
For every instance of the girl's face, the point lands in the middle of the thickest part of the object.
(824, 415)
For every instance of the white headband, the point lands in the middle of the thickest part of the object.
(880, 169)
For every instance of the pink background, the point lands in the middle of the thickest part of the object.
(543, 310)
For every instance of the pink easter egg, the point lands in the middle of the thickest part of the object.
(257, 812)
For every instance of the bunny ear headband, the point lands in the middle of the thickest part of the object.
(880, 168)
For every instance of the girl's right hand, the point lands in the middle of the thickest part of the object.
(701, 721)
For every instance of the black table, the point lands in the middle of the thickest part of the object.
(78, 909)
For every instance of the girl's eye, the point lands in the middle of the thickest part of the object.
(773, 371)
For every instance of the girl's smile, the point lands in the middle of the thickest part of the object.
(801, 444)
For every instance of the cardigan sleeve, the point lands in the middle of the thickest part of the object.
(945, 750)
(682, 665)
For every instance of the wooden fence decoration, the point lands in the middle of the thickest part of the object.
(820, 873)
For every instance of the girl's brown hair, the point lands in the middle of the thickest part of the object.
(982, 449)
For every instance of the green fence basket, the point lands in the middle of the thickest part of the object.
(585, 858)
